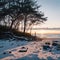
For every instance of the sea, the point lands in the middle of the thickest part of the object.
(48, 33)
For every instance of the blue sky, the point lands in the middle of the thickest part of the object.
(51, 9)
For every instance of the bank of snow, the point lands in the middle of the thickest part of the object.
(34, 52)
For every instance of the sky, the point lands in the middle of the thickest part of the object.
(51, 9)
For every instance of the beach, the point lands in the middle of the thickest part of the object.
(9, 50)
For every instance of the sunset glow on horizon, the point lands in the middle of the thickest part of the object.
(44, 31)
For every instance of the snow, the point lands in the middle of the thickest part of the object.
(34, 52)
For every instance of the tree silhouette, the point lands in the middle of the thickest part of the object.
(29, 7)
(26, 9)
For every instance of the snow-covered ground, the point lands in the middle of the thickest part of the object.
(9, 50)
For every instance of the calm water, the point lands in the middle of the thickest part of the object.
(49, 33)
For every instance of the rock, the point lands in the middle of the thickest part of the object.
(9, 51)
(23, 49)
(4, 52)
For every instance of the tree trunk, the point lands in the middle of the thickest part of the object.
(13, 21)
(25, 23)
(11, 25)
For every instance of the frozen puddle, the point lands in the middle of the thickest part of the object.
(10, 50)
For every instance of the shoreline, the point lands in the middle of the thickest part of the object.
(50, 38)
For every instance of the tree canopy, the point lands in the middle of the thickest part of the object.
(16, 11)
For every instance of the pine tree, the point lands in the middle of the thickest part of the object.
(27, 8)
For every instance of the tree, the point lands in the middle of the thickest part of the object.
(28, 9)
(8, 8)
